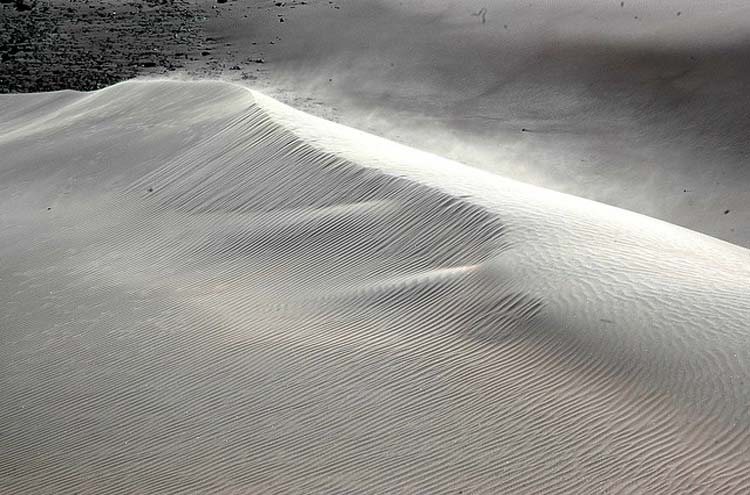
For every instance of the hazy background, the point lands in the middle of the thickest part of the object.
(640, 105)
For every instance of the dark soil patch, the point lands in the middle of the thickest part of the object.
(48, 45)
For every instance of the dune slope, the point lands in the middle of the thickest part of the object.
(636, 104)
(204, 290)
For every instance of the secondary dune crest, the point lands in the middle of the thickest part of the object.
(206, 290)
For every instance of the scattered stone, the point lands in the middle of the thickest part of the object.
(481, 13)
(72, 44)
(20, 5)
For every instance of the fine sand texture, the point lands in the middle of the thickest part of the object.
(204, 290)
(640, 104)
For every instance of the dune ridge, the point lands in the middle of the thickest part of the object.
(206, 290)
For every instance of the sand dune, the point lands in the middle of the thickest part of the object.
(205, 290)
(636, 104)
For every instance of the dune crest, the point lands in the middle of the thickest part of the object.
(205, 290)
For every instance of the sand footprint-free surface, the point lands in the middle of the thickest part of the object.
(204, 290)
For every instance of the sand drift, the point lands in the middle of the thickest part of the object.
(204, 290)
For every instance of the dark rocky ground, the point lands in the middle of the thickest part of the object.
(88, 44)
(49, 45)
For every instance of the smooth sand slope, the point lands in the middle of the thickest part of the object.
(204, 290)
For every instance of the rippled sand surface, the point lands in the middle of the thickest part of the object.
(203, 290)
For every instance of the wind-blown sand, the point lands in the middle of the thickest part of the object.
(204, 290)
(638, 104)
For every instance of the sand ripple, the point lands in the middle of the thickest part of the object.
(203, 290)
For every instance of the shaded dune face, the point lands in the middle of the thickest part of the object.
(630, 105)
(227, 295)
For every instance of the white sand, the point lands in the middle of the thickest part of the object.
(633, 106)
(231, 296)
